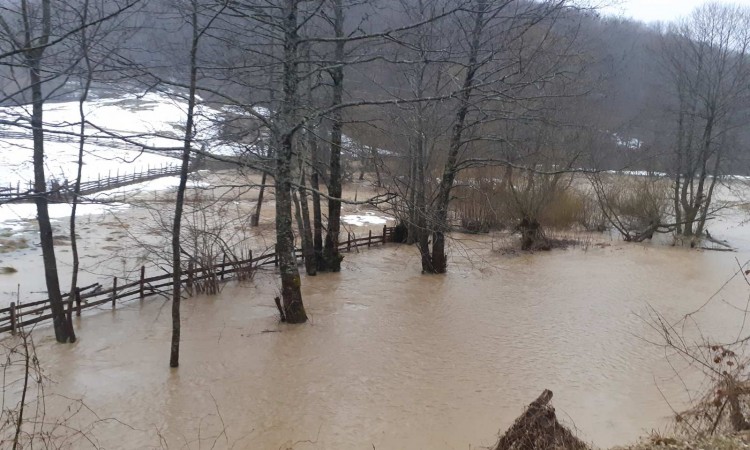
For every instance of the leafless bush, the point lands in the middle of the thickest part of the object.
(480, 205)
(636, 206)
(528, 202)
(723, 403)
(215, 238)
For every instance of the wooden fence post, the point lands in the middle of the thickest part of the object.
(369, 239)
(141, 289)
(13, 317)
(223, 265)
(114, 292)
(78, 302)
(385, 228)
(348, 241)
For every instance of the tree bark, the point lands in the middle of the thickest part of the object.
(255, 219)
(311, 266)
(81, 146)
(439, 258)
(291, 293)
(331, 249)
(317, 211)
(174, 355)
(33, 59)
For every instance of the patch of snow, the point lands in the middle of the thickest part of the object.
(632, 143)
(368, 218)
(11, 213)
(154, 120)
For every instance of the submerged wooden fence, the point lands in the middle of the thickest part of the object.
(23, 314)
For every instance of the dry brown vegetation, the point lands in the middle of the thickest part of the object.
(538, 429)
(635, 206)
(488, 204)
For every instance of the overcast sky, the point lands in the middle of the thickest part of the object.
(653, 10)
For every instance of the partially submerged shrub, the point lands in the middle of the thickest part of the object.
(636, 206)
(555, 201)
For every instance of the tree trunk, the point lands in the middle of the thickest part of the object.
(291, 293)
(81, 146)
(62, 333)
(174, 356)
(255, 219)
(412, 214)
(317, 212)
(376, 165)
(33, 61)
(331, 254)
(311, 266)
(439, 258)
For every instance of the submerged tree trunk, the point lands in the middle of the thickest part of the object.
(174, 356)
(331, 249)
(81, 146)
(291, 293)
(420, 206)
(33, 58)
(255, 219)
(62, 332)
(317, 210)
(412, 213)
(311, 266)
(317, 225)
(439, 258)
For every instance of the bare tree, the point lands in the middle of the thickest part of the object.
(35, 38)
(507, 62)
(198, 31)
(706, 59)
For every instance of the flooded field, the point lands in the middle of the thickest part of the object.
(392, 358)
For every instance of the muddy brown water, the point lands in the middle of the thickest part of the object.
(393, 359)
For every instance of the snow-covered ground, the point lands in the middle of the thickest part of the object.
(151, 120)
(368, 218)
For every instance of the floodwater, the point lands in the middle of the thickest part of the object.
(393, 359)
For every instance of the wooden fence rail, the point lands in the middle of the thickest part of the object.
(61, 192)
(103, 141)
(24, 314)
